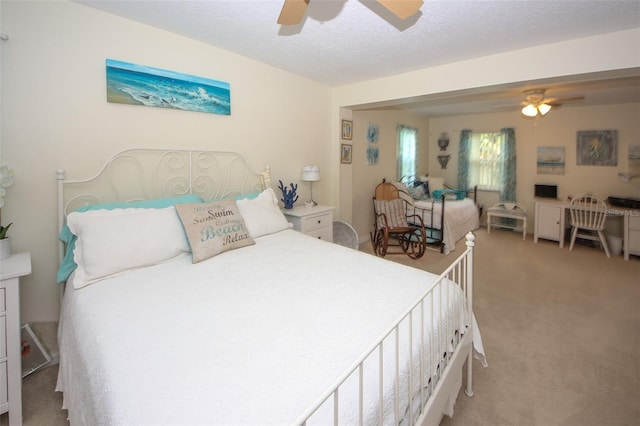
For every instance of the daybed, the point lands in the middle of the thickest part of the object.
(158, 327)
(448, 214)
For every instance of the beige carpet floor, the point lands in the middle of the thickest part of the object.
(561, 331)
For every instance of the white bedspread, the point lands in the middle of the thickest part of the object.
(247, 337)
(460, 217)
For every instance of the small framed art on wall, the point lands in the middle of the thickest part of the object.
(347, 129)
(345, 153)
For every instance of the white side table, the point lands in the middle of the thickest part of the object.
(11, 270)
(316, 221)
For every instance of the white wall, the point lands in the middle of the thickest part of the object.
(55, 114)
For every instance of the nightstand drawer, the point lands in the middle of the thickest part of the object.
(309, 223)
(316, 221)
(325, 233)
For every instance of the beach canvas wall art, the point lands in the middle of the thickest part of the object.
(134, 84)
(550, 160)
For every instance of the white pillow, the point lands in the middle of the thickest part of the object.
(403, 191)
(111, 242)
(262, 215)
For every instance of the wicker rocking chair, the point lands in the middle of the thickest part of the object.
(392, 227)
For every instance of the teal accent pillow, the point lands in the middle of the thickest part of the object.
(249, 196)
(68, 265)
(457, 193)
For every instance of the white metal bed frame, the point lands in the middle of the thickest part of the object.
(144, 174)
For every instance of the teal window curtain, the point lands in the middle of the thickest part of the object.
(407, 152)
(508, 179)
(488, 160)
(463, 160)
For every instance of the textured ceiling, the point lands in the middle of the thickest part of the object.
(341, 42)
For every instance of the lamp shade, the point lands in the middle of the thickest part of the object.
(310, 173)
(544, 108)
(530, 111)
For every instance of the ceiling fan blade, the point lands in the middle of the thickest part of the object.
(402, 8)
(571, 99)
(292, 12)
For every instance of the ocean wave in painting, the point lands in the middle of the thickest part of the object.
(134, 84)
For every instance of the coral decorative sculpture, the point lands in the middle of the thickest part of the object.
(288, 195)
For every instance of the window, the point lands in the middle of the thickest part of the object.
(488, 160)
(407, 154)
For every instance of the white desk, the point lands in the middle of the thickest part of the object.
(551, 222)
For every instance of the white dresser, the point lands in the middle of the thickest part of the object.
(631, 234)
(316, 221)
(11, 270)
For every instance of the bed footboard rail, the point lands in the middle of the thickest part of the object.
(415, 366)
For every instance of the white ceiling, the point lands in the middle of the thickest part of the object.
(342, 42)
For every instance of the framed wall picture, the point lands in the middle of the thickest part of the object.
(550, 160)
(135, 84)
(347, 129)
(597, 148)
(345, 153)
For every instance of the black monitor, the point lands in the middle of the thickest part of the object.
(546, 191)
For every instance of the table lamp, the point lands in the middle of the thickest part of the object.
(310, 174)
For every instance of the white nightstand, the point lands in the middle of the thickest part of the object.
(316, 221)
(11, 270)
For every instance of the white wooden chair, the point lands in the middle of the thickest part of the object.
(588, 213)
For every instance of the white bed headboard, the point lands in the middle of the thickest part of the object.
(146, 174)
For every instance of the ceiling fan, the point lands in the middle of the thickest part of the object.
(537, 104)
(293, 10)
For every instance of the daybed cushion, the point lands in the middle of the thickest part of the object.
(110, 242)
(68, 265)
(262, 214)
(213, 228)
(393, 210)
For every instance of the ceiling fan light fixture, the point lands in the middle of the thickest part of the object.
(529, 111)
(544, 108)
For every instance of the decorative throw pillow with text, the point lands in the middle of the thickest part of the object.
(213, 228)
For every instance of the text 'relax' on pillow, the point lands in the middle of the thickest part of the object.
(213, 228)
